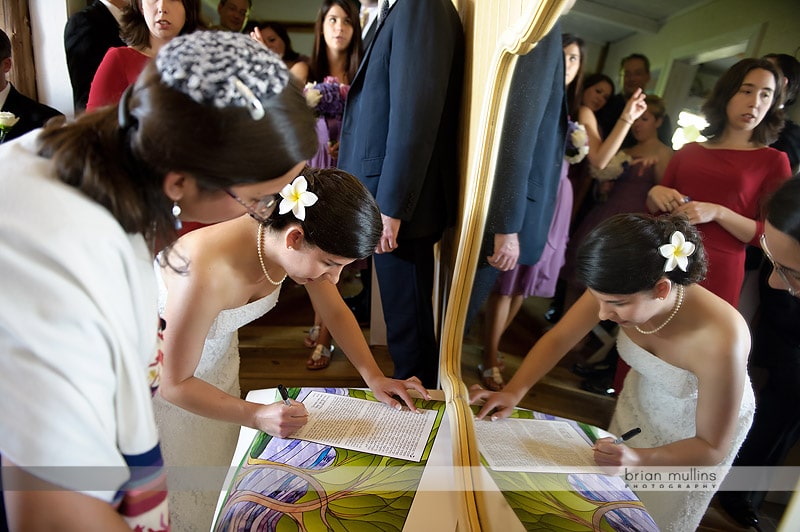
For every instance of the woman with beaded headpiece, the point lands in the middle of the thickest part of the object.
(688, 389)
(85, 208)
(318, 224)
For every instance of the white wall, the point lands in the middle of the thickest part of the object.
(48, 18)
(772, 24)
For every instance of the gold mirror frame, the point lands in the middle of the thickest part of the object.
(538, 17)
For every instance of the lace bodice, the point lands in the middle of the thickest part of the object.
(661, 399)
(191, 440)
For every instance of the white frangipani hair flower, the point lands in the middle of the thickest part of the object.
(296, 197)
(677, 252)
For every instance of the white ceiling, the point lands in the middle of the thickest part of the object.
(609, 21)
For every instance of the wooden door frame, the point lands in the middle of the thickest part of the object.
(15, 21)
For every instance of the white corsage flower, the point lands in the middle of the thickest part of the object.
(313, 96)
(296, 198)
(578, 143)
(7, 120)
(677, 252)
(615, 168)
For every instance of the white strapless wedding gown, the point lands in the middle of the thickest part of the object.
(197, 450)
(662, 399)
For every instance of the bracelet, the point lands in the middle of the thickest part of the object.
(629, 123)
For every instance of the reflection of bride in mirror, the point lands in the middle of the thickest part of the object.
(522, 281)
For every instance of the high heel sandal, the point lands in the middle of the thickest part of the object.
(311, 339)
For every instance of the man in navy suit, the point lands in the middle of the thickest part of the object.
(399, 137)
(87, 35)
(31, 114)
(528, 168)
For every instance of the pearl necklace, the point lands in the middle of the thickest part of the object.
(675, 310)
(260, 244)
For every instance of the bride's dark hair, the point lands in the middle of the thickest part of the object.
(345, 221)
(621, 255)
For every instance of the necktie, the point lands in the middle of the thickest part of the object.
(376, 24)
(384, 11)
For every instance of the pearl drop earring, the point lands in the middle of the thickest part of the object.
(176, 211)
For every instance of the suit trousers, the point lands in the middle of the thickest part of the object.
(405, 277)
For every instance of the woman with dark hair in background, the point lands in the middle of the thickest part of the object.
(719, 184)
(688, 389)
(334, 61)
(146, 26)
(274, 36)
(85, 208)
(337, 41)
(322, 221)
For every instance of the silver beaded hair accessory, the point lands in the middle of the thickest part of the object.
(223, 69)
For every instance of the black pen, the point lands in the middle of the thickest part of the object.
(284, 394)
(628, 435)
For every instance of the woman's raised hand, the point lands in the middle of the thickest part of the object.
(634, 107)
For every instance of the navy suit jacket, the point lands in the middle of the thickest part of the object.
(400, 126)
(89, 33)
(531, 150)
(31, 113)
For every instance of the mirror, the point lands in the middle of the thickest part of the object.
(512, 28)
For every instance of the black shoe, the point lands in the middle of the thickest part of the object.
(739, 508)
(604, 368)
(601, 386)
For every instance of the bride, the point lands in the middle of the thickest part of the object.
(231, 274)
(688, 388)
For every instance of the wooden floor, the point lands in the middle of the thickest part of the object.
(272, 353)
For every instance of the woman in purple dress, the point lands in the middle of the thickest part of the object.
(513, 286)
(334, 61)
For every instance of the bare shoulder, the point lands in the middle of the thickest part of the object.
(720, 327)
(586, 115)
(204, 260)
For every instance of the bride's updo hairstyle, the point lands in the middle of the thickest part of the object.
(216, 105)
(621, 255)
(345, 220)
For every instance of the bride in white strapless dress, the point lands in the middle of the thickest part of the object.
(198, 450)
(661, 399)
(230, 273)
(688, 389)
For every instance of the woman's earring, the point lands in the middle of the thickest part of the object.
(176, 211)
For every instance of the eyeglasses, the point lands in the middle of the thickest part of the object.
(790, 281)
(260, 210)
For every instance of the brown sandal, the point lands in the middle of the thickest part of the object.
(320, 358)
(491, 378)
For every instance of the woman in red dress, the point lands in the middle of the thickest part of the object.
(146, 26)
(719, 185)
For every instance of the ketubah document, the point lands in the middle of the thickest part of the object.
(534, 445)
(367, 426)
